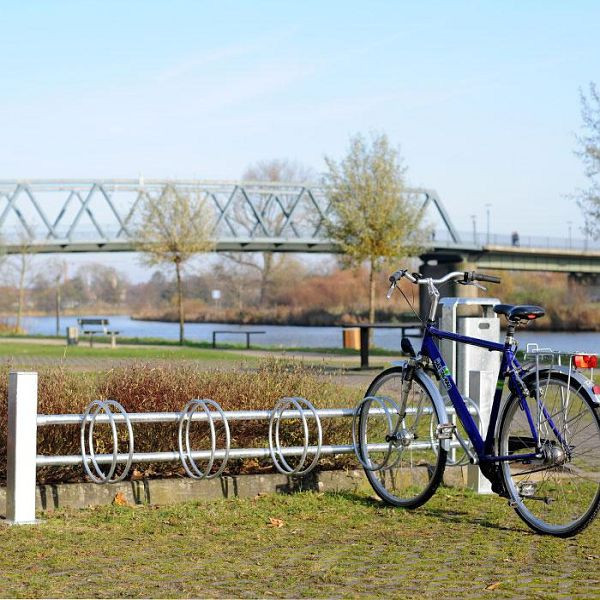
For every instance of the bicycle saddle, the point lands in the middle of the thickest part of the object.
(520, 312)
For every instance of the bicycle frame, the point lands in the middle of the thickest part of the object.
(484, 448)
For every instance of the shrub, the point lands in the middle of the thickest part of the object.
(146, 388)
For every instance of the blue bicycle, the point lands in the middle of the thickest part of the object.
(541, 450)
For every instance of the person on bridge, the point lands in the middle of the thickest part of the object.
(515, 238)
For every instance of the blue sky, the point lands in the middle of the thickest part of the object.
(482, 97)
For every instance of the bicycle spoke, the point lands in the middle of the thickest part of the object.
(414, 464)
(559, 492)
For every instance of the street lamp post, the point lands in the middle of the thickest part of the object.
(487, 223)
(474, 219)
(570, 223)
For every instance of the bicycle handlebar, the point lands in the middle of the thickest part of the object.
(464, 277)
(460, 276)
(484, 277)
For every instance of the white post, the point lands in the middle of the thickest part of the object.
(21, 448)
(482, 385)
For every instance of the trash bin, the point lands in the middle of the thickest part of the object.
(351, 338)
(475, 370)
(72, 336)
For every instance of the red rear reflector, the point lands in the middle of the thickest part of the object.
(531, 316)
(596, 390)
(584, 361)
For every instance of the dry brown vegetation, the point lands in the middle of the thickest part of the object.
(569, 305)
(340, 297)
(142, 388)
(337, 297)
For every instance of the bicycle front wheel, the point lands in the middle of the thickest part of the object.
(413, 465)
(559, 492)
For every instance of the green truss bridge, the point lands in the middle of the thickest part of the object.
(52, 216)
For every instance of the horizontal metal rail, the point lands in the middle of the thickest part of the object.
(235, 415)
(145, 457)
(233, 453)
(174, 417)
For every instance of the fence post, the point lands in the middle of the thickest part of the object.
(21, 448)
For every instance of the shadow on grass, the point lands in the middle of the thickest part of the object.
(459, 516)
(444, 515)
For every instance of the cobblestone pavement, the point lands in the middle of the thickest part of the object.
(304, 545)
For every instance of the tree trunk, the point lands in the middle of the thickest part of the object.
(21, 299)
(265, 277)
(179, 298)
(58, 306)
(371, 297)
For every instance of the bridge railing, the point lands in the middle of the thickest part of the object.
(523, 240)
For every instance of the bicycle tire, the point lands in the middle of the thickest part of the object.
(415, 470)
(559, 494)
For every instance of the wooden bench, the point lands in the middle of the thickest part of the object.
(94, 327)
(246, 333)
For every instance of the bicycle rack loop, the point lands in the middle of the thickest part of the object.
(279, 461)
(464, 443)
(89, 416)
(192, 469)
(385, 403)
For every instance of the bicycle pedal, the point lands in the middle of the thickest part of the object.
(445, 431)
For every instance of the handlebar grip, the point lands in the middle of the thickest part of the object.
(395, 277)
(484, 277)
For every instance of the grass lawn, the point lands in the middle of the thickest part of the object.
(222, 345)
(26, 352)
(303, 545)
(49, 350)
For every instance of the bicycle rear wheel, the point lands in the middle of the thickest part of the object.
(413, 465)
(559, 493)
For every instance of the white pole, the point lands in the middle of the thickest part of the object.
(22, 448)
(482, 385)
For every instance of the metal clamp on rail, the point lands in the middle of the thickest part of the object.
(183, 434)
(275, 449)
(89, 418)
(385, 404)
(469, 456)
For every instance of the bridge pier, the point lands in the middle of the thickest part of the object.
(437, 266)
(591, 281)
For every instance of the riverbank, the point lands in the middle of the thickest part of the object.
(279, 337)
(552, 322)
(281, 315)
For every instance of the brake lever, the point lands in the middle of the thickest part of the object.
(390, 291)
(475, 283)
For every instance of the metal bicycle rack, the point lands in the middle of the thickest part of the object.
(385, 404)
(88, 422)
(101, 468)
(186, 456)
(275, 450)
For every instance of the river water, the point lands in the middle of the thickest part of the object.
(291, 336)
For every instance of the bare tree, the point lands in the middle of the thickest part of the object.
(267, 265)
(171, 229)
(589, 152)
(58, 270)
(21, 265)
(374, 219)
